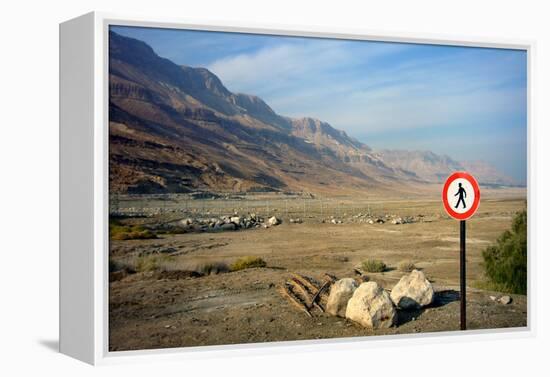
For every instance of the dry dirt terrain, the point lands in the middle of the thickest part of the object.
(167, 307)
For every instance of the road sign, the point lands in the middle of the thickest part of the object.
(461, 200)
(461, 195)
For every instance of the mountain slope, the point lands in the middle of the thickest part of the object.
(176, 128)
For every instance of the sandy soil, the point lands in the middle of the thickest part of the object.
(158, 309)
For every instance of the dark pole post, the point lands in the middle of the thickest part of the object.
(462, 274)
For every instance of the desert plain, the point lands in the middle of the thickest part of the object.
(170, 304)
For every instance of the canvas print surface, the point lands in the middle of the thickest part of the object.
(271, 188)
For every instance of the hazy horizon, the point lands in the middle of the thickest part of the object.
(467, 103)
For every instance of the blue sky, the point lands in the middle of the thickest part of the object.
(468, 103)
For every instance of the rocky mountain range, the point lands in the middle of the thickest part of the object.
(432, 167)
(176, 128)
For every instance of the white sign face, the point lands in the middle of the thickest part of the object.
(461, 195)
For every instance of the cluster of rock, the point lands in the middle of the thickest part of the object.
(226, 223)
(370, 219)
(395, 220)
(371, 306)
(402, 220)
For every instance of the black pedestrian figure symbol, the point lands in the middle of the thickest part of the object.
(461, 195)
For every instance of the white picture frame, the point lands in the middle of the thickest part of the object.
(84, 190)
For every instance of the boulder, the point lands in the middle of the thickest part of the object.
(186, 222)
(505, 300)
(413, 291)
(273, 221)
(235, 220)
(371, 307)
(340, 293)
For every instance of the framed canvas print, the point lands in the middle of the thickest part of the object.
(226, 187)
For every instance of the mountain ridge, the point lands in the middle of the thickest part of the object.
(177, 128)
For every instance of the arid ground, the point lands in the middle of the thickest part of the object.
(167, 306)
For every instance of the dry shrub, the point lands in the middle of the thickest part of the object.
(146, 263)
(406, 266)
(212, 268)
(373, 265)
(129, 232)
(247, 262)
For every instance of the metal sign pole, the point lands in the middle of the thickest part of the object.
(462, 274)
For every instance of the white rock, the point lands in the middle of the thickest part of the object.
(273, 221)
(505, 300)
(340, 293)
(493, 298)
(413, 291)
(371, 306)
(235, 219)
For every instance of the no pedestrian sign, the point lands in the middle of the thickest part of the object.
(461, 200)
(461, 195)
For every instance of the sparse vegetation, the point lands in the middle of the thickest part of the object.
(129, 232)
(115, 266)
(505, 263)
(146, 263)
(248, 262)
(212, 268)
(373, 265)
(406, 266)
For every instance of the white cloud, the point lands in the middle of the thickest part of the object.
(365, 91)
(310, 62)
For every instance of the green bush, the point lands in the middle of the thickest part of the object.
(505, 263)
(406, 266)
(247, 262)
(373, 265)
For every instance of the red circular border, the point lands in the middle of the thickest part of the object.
(466, 215)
